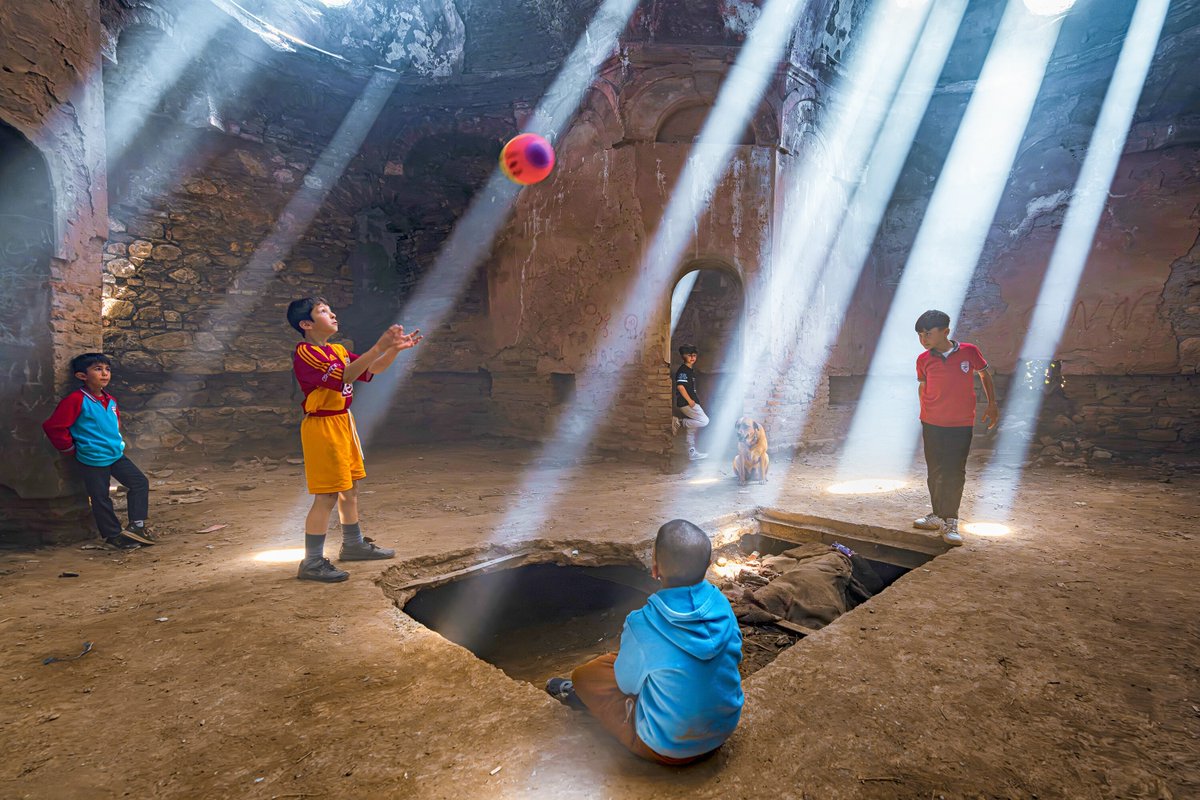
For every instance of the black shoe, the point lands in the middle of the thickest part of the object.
(139, 534)
(121, 542)
(367, 551)
(563, 690)
(319, 569)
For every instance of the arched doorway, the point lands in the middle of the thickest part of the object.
(27, 390)
(707, 312)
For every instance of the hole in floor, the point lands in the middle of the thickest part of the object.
(785, 586)
(535, 621)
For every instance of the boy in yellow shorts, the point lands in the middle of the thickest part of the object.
(333, 458)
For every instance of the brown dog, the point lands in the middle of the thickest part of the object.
(752, 460)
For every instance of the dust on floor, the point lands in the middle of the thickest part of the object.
(1060, 660)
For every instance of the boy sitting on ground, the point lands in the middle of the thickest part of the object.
(673, 693)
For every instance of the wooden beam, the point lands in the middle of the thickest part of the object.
(792, 627)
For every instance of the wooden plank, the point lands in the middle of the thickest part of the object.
(458, 573)
(788, 625)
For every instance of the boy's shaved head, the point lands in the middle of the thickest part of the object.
(682, 551)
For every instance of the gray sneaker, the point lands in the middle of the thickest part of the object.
(950, 534)
(929, 522)
(320, 569)
(367, 551)
(696, 455)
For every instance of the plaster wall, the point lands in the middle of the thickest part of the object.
(563, 271)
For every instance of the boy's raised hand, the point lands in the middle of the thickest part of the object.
(409, 339)
(391, 337)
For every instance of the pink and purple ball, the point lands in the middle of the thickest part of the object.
(527, 159)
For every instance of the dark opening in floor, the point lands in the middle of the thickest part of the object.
(815, 586)
(536, 621)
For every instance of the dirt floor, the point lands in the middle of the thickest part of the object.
(1058, 661)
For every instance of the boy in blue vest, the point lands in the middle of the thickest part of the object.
(87, 425)
(673, 694)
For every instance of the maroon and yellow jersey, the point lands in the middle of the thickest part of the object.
(319, 371)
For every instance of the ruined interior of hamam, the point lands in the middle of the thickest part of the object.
(897, 301)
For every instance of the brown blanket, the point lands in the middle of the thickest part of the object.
(815, 585)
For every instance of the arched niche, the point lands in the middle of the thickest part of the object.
(27, 245)
(683, 126)
(708, 310)
(669, 106)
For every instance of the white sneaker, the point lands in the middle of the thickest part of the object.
(950, 534)
(675, 426)
(929, 522)
(696, 455)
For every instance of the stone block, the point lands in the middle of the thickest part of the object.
(170, 440)
(208, 342)
(239, 363)
(201, 187)
(190, 361)
(168, 341)
(1189, 354)
(1158, 436)
(121, 267)
(145, 228)
(185, 275)
(138, 361)
(117, 309)
(166, 252)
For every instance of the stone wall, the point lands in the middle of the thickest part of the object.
(50, 95)
(191, 374)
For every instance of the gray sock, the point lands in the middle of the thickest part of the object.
(314, 546)
(351, 534)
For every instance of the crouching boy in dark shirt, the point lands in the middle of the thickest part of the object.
(673, 693)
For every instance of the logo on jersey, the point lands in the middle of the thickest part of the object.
(965, 367)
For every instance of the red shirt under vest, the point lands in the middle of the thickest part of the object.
(949, 397)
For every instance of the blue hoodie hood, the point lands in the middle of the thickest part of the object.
(696, 619)
(679, 655)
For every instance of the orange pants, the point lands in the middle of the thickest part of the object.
(596, 685)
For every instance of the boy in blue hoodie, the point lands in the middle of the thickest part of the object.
(87, 426)
(673, 693)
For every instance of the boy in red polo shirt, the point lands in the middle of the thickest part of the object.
(946, 384)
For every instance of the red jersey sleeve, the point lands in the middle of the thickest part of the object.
(314, 368)
(367, 374)
(921, 360)
(58, 426)
(975, 358)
